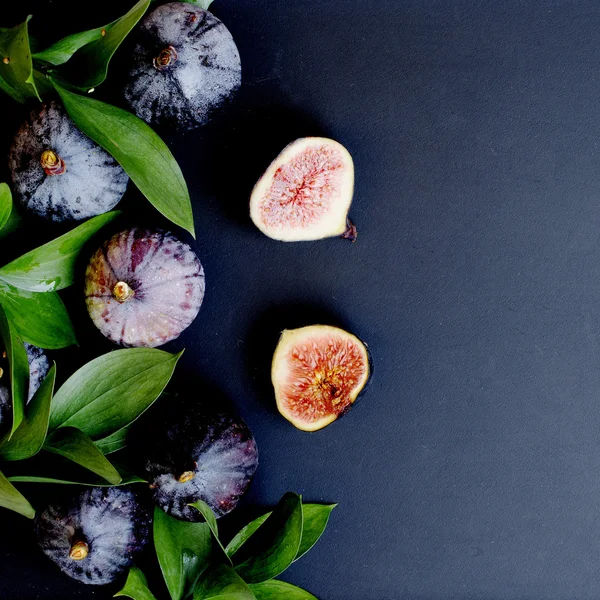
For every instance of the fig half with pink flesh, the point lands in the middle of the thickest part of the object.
(143, 288)
(318, 372)
(306, 193)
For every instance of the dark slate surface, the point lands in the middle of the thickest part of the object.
(470, 469)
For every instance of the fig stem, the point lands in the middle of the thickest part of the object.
(350, 233)
(79, 551)
(1, 372)
(165, 58)
(186, 476)
(52, 163)
(122, 292)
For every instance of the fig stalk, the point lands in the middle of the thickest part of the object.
(122, 292)
(79, 551)
(186, 476)
(52, 163)
(165, 58)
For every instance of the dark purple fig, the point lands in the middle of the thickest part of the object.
(185, 65)
(96, 536)
(143, 288)
(61, 174)
(201, 454)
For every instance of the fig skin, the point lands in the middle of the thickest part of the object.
(59, 173)
(95, 537)
(318, 373)
(202, 454)
(306, 193)
(185, 65)
(143, 287)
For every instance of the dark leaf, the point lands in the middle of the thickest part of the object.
(209, 517)
(136, 586)
(114, 442)
(12, 499)
(222, 582)
(278, 590)
(126, 480)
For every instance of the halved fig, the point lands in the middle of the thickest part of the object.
(318, 372)
(306, 193)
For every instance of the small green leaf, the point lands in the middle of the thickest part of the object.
(270, 552)
(209, 517)
(5, 204)
(16, 68)
(276, 590)
(112, 390)
(40, 319)
(243, 534)
(127, 480)
(73, 444)
(18, 367)
(172, 538)
(51, 267)
(222, 582)
(139, 150)
(29, 438)
(88, 67)
(136, 586)
(12, 499)
(114, 442)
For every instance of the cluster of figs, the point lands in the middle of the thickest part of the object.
(144, 287)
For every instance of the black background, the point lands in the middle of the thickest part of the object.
(471, 467)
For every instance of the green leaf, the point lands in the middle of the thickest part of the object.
(172, 538)
(139, 150)
(243, 534)
(12, 499)
(5, 204)
(18, 367)
(127, 480)
(112, 390)
(71, 443)
(114, 442)
(29, 438)
(201, 3)
(16, 68)
(314, 522)
(276, 590)
(136, 586)
(61, 51)
(88, 67)
(222, 582)
(271, 552)
(40, 319)
(209, 517)
(51, 267)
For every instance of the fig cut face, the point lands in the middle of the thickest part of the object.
(306, 193)
(318, 372)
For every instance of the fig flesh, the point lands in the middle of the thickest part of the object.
(306, 193)
(96, 536)
(318, 372)
(59, 173)
(185, 66)
(143, 288)
(201, 454)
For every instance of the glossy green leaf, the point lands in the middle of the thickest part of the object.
(11, 498)
(211, 520)
(136, 586)
(139, 150)
(16, 68)
(222, 582)
(273, 549)
(278, 590)
(51, 267)
(18, 369)
(61, 51)
(74, 445)
(5, 204)
(114, 442)
(112, 390)
(126, 480)
(243, 534)
(314, 521)
(29, 438)
(201, 3)
(88, 67)
(171, 539)
(39, 318)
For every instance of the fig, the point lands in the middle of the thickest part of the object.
(185, 65)
(94, 537)
(201, 454)
(318, 372)
(59, 173)
(306, 193)
(143, 288)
